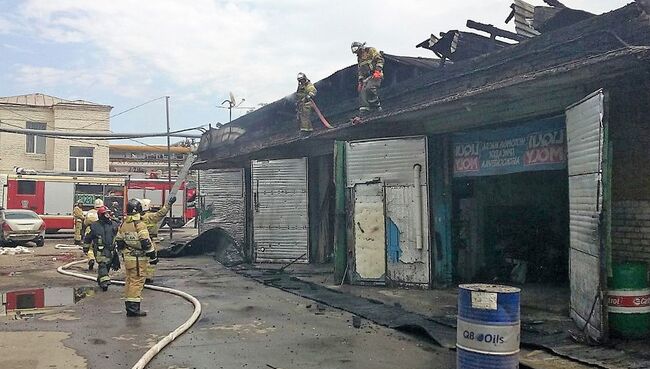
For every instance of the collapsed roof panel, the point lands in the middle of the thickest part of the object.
(458, 45)
(524, 14)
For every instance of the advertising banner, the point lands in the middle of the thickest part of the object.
(538, 145)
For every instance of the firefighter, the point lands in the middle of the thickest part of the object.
(133, 241)
(304, 95)
(91, 217)
(152, 218)
(370, 74)
(116, 212)
(78, 215)
(100, 239)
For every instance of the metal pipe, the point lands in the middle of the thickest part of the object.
(417, 182)
(169, 171)
(96, 134)
(340, 226)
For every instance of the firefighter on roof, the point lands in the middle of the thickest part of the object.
(133, 241)
(370, 74)
(304, 95)
(152, 218)
(78, 215)
(91, 217)
(100, 239)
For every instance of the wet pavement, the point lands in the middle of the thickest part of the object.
(243, 325)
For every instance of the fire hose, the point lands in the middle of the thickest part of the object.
(153, 351)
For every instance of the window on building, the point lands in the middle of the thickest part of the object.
(26, 187)
(81, 159)
(35, 144)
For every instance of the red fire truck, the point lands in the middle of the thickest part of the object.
(157, 190)
(53, 196)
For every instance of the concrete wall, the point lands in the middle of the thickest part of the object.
(57, 151)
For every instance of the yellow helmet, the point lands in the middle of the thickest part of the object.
(146, 204)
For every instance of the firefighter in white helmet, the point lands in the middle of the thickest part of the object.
(133, 241)
(91, 217)
(152, 218)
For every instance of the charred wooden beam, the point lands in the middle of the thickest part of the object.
(494, 31)
(555, 3)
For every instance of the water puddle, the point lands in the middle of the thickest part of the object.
(34, 299)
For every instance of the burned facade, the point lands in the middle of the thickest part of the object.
(523, 164)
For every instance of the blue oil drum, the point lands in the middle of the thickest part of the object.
(488, 327)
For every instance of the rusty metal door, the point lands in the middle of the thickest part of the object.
(280, 216)
(586, 136)
(369, 220)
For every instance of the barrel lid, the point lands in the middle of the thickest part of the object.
(482, 287)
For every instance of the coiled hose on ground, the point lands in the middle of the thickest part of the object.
(153, 351)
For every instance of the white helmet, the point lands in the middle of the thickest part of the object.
(356, 45)
(92, 216)
(99, 203)
(146, 204)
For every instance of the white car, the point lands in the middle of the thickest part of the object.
(18, 226)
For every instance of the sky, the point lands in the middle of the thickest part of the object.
(126, 52)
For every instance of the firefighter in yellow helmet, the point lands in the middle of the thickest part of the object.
(133, 241)
(152, 218)
(304, 95)
(78, 216)
(370, 74)
(91, 217)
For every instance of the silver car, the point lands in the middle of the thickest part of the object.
(21, 226)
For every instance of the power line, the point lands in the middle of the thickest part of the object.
(99, 135)
(128, 110)
(63, 138)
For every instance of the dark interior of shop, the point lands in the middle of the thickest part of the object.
(511, 228)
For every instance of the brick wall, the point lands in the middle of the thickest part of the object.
(13, 146)
(75, 118)
(631, 230)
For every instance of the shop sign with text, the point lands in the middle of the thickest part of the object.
(538, 145)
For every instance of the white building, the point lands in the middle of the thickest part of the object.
(39, 111)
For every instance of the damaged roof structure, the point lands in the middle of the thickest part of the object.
(597, 48)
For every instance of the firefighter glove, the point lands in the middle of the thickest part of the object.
(115, 262)
(85, 248)
(172, 199)
(376, 74)
(153, 257)
(121, 244)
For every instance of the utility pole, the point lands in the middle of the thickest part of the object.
(169, 169)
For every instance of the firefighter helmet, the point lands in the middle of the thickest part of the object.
(146, 204)
(92, 216)
(301, 77)
(99, 203)
(102, 210)
(133, 207)
(356, 46)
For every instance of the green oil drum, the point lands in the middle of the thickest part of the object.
(629, 300)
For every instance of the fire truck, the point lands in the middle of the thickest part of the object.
(53, 195)
(157, 190)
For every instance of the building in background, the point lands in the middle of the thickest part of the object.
(44, 112)
(148, 160)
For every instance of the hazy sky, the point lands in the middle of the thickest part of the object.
(125, 52)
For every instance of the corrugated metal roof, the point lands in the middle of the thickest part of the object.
(524, 15)
(42, 100)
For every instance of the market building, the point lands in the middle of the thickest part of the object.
(516, 163)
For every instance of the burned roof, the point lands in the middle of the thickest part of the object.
(591, 46)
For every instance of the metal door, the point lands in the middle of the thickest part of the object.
(280, 216)
(59, 198)
(369, 262)
(586, 134)
(222, 202)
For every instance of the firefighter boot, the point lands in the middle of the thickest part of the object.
(133, 309)
(91, 264)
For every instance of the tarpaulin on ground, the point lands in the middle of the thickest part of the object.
(533, 146)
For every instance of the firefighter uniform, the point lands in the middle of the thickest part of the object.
(78, 215)
(133, 241)
(305, 93)
(91, 217)
(100, 239)
(151, 219)
(370, 74)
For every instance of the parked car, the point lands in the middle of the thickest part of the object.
(20, 226)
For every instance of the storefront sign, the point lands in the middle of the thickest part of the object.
(539, 145)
